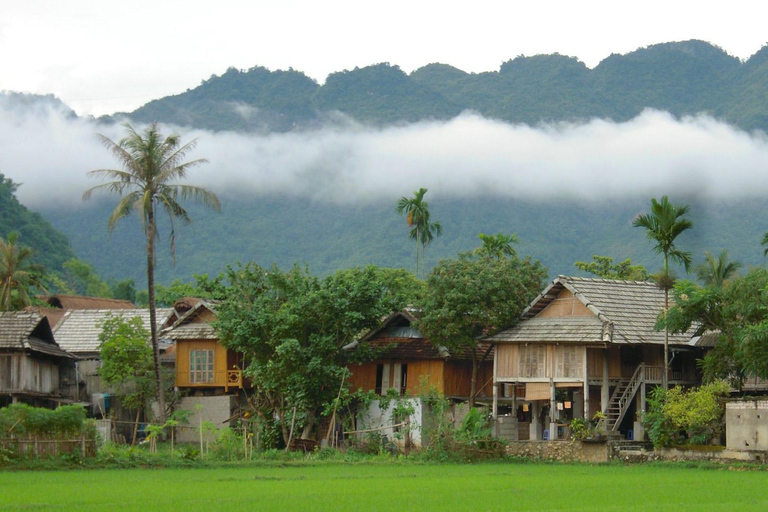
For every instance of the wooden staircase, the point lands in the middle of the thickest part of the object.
(621, 399)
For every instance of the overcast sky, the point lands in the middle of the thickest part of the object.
(100, 56)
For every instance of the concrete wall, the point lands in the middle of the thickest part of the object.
(216, 409)
(746, 425)
(376, 417)
(563, 451)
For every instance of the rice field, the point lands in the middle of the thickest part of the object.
(406, 486)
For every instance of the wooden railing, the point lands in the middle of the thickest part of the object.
(654, 374)
(234, 379)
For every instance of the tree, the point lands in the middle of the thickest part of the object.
(662, 226)
(18, 273)
(81, 279)
(716, 271)
(497, 246)
(603, 266)
(292, 328)
(423, 230)
(151, 164)
(470, 297)
(126, 361)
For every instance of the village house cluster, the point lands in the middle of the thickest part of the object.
(582, 346)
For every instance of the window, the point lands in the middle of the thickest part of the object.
(532, 361)
(570, 361)
(200, 366)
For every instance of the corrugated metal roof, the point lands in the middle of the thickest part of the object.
(627, 310)
(28, 330)
(78, 332)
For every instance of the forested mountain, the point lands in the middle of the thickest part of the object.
(683, 78)
(51, 247)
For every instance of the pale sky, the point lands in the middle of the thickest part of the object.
(103, 56)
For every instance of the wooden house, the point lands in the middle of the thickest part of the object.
(203, 366)
(410, 363)
(33, 368)
(78, 333)
(583, 346)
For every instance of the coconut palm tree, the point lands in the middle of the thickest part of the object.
(716, 271)
(145, 184)
(497, 246)
(662, 226)
(416, 212)
(18, 274)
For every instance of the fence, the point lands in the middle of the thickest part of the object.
(41, 448)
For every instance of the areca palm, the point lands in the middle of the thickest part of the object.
(423, 231)
(497, 246)
(662, 226)
(18, 274)
(715, 271)
(145, 184)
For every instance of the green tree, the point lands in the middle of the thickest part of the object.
(423, 230)
(292, 328)
(603, 266)
(497, 246)
(81, 279)
(470, 297)
(124, 290)
(151, 164)
(717, 270)
(126, 361)
(662, 227)
(18, 273)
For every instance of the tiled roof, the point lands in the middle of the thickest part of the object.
(627, 311)
(185, 328)
(28, 330)
(574, 329)
(78, 332)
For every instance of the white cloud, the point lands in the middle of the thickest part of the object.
(650, 155)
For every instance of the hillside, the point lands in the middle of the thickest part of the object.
(329, 237)
(51, 247)
(683, 78)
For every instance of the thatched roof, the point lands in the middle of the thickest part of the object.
(28, 330)
(82, 302)
(623, 312)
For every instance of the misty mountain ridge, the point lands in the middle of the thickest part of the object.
(278, 225)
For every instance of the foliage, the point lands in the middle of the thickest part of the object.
(470, 297)
(497, 246)
(127, 360)
(582, 429)
(18, 274)
(717, 271)
(292, 328)
(693, 416)
(737, 313)
(603, 266)
(80, 278)
(204, 287)
(22, 420)
(146, 185)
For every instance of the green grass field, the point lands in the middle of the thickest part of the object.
(407, 486)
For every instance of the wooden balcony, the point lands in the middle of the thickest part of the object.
(234, 379)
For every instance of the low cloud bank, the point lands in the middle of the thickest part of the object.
(50, 152)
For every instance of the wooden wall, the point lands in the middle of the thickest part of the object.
(429, 372)
(220, 362)
(20, 372)
(510, 365)
(565, 305)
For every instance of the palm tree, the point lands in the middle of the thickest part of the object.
(18, 274)
(150, 165)
(716, 271)
(417, 216)
(662, 226)
(498, 246)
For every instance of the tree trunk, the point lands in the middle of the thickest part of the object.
(417, 253)
(665, 377)
(153, 310)
(473, 381)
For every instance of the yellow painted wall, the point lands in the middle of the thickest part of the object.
(183, 347)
